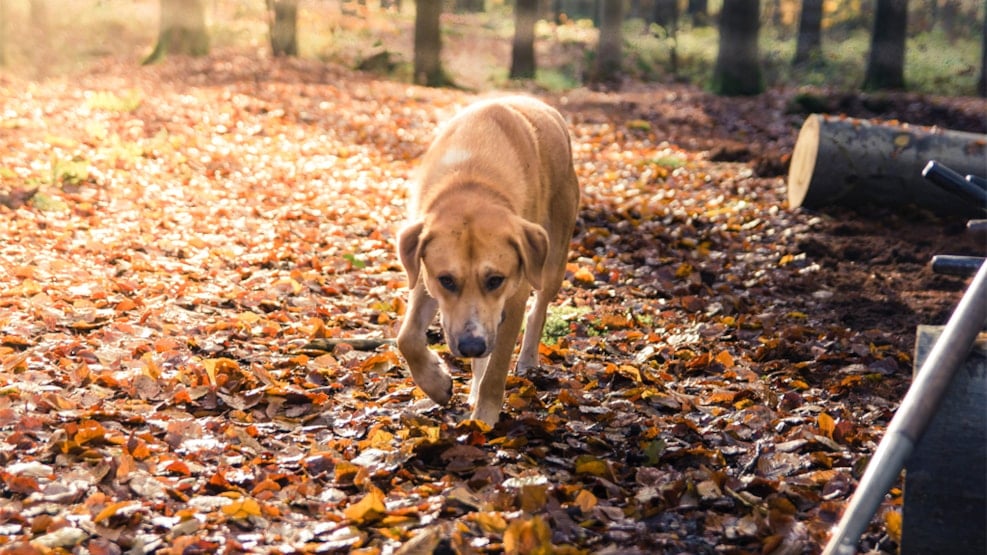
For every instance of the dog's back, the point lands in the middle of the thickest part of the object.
(494, 139)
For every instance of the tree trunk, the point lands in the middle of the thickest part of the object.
(699, 12)
(284, 27)
(809, 44)
(982, 82)
(665, 13)
(523, 49)
(738, 70)
(469, 6)
(886, 62)
(182, 30)
(428, 44)
(3, 32)
(856, 163)
(608, 54)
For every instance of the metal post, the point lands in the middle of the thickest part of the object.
(909, 422)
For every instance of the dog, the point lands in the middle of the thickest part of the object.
(490, 218)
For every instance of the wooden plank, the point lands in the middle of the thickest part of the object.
(945, 507)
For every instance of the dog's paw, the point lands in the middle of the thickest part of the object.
(486, 413)
(434, 380)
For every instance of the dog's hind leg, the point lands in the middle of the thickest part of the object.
(426, 366)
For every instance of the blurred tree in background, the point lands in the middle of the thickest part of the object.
(486, 44)
(182, 30)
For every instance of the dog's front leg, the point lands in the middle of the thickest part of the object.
(487, 389)
(426, 367)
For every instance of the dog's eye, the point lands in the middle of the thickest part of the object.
(494, 282)
(448, 283)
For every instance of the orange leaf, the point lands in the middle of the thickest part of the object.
(113, 509)
(585, 500)
(528, 537)
(826, 424)
(89, 430)
(368, 509)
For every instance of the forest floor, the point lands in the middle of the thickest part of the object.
(194, 253)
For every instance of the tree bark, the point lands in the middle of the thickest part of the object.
(3, 32)
(523, 49)
(860, 164)
(886, 62)
(469, 6)
(808, 46)
(428, 44)
(738, 69)
(982, 82)
(698, 11)
(665, 13)
(609, 50)
(284, 27)
(182, 30)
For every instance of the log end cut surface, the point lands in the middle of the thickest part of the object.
(803, 162)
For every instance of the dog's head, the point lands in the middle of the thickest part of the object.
(472, 266)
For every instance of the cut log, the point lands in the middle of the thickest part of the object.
(858, 163)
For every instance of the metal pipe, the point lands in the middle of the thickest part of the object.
(956, 265)
(955, 184)
(915, 412)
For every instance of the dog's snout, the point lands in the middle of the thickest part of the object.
(471, 346)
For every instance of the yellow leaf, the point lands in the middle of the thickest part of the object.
(378, 439)
(242, 508)
(490, 522)
(826, 424)
(370, 508)
(892, 522)
(588, 464)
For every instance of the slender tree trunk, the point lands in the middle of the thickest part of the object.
(738, 69)
(886, 62)
(428, 43)
(699, 12)
(3, 32)
(609, 49)
(809, 43)
(982, 82)
(469, 6)
(284, 27)
(665, 13)
(183, 30)
(523, 49)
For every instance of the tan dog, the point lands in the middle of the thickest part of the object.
(491, 216)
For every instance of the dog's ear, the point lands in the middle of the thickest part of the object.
(533, 250)
(409, 251)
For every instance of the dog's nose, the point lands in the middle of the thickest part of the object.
(471, 346)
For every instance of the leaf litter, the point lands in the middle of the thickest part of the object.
(199, 291)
